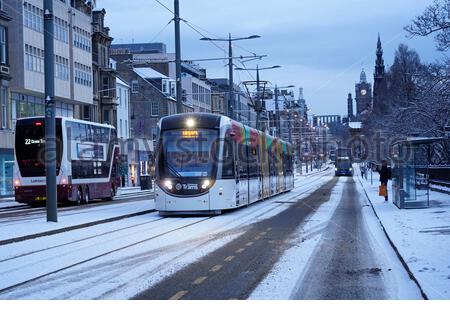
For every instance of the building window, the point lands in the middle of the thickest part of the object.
(83, 74)
(33, 17)
(3, 51)
(82, 39)
(126, 129)
(155, 109)
(87, 112)
(119, 96)
(61, 68)
(61, 30)
(34, 59)
(106, 116)
(105, 88)
(134, 86)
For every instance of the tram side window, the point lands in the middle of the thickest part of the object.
(271, 164)
(243, 161)
(253, 162)
(228, 159)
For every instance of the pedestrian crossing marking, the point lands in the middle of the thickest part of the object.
(240, 250)
(249, 244)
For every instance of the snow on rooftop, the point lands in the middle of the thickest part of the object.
(149, 73)
(355, 125)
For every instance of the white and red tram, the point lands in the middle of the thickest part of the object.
(207, 163)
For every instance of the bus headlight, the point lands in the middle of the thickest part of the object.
(168, 184)
(206, 184)
(351, 169)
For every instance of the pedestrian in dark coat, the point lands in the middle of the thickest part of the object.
(385, 176)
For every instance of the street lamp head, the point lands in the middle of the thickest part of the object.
(205, 39)
(275, 67)
(255, 36)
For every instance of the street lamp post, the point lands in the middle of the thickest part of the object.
(50, 127)
(231, 100)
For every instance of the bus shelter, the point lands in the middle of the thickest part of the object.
(412, 163)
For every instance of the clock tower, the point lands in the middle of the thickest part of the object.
(363, 95)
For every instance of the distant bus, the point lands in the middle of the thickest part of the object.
(333, 156)
(343, 166)
(87, 156)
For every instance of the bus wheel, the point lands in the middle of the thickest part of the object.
(86, 196)
(112, 194)
(79, 197)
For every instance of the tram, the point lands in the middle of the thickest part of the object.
(207, 164)
(343, 166)
(87, 159)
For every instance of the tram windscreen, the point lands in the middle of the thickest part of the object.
(343, 163)
(188, 153)
(30, 147)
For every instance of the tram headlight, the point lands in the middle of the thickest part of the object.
(17, 183)
(190, 123)
(168, 184)
(206, 184)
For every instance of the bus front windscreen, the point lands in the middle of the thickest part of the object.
(188, 153)
(30, 147)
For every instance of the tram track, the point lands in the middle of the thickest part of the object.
(20, 216)
(264, 210)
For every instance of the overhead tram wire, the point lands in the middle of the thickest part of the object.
(166, 7)
(161, 31)
(200, 33)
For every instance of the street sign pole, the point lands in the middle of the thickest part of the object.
(50, 136)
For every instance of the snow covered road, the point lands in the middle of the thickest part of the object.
(120, 259)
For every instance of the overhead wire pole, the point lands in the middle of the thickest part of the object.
(258, 102)
(231, 106)
(230, 78)
(177, 20)
(50, 123)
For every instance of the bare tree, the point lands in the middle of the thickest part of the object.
(434, 20)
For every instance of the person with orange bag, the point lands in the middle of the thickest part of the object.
(385, 175)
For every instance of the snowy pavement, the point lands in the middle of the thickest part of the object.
(120, 259)
(37, 224)
(422, 237)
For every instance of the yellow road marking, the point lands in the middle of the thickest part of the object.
(178, 295)
(240, 250)
(216, 268)
(228, 259)
(249, 244)
(257, 237)
(199, 280)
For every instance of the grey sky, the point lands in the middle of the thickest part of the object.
(322, 45)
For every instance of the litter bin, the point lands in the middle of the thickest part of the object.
(146, 182)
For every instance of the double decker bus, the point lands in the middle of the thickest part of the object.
(87, 156)
(207, 164)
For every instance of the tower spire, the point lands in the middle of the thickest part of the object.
(380, 86)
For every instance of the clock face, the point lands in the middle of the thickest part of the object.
(363, 92)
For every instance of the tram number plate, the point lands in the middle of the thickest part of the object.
(40, 198)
